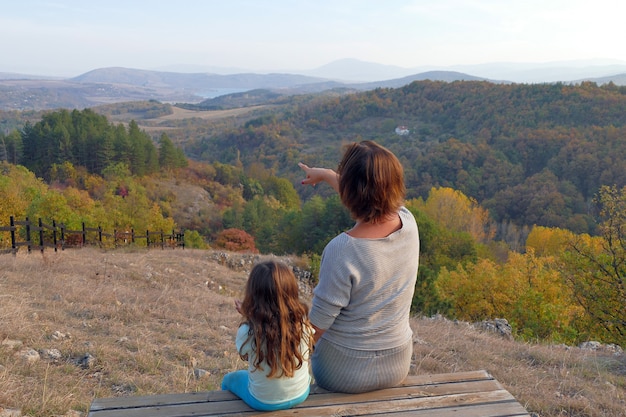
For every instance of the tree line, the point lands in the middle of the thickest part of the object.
(87, 139)
(531, 154)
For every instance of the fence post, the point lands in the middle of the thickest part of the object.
(13, 242)
(132, 235)
(62, 236)
(54, 234)
(147, 238)
(100, 234)
(162, 240)
(84, 240)
(40, 235)
(28, 243)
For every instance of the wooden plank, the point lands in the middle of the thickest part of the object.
(471, 394)
(432, 384)
(500, 409)
(399, 393)
(161, 399)
(374, 408)
(365, 408)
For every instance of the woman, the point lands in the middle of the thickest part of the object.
(361, 305)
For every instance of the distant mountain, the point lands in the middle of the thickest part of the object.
(196, 82)
(115, 84)
(532, 73)
(446, 76)
(353, 70)
(110, 85)
(619, 79)
(15, 76)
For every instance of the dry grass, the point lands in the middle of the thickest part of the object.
(150, 318)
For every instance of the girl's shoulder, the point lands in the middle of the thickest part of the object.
(244, 329)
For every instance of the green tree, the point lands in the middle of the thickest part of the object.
(282, 190)
(13, 144)
(3, 149)
(138, 156)
(167, 153)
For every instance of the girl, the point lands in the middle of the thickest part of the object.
(275, 338)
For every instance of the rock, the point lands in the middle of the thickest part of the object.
(51, 354)
(10, 412)
(11, 344)
(591, 345)
(29, 355)
(200, 373)
(498, 326)
(597, 346)
(57, 335)
(84, 362)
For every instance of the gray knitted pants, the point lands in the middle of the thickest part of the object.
(340, 369)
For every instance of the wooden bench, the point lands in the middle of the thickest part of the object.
(461, 394)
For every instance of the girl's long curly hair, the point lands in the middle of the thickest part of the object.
(278, 319)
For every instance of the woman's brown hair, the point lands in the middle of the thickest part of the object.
(371, 181)
(277, 318)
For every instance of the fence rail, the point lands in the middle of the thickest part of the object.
(38, 235)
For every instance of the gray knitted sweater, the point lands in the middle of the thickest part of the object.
(364, 294)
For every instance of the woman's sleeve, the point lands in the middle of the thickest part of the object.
(332, 292)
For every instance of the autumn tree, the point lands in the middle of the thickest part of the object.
(455, 211)
(439, 248)
(595, 268)
(548, 241)
(527, 290)
(235, 240)
(18, 187)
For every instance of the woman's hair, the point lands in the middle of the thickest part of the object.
(277, 318)
(371, 181)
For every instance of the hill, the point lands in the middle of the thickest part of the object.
(88, 323)
(117, 85)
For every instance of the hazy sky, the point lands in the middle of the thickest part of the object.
(70, 37)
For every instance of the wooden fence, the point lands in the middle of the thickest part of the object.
(38, 235)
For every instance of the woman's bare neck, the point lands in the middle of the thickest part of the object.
(369, 230)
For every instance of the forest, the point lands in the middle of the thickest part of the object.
(519, 190)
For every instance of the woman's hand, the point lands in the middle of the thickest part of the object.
(317, 175)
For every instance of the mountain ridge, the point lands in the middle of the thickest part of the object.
(119, 84)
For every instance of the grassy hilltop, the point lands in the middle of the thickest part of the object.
(139, 322)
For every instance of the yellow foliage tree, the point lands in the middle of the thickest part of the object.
(547, 241)
(476, 291)
(528, 291)
(18, 187)
(542, 305)
(455, 211)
